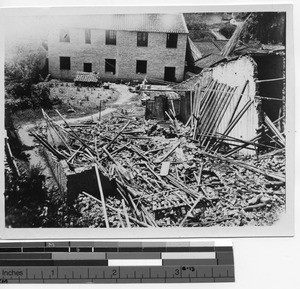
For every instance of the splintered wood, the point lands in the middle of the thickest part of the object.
(218, 109)
(160, 179)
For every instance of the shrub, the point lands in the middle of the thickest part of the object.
(24, 198)
(40, 95)
(227, 30)
(23, 71)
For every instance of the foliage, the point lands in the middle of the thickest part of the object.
(22, 71)
(227, 30)
(265, 27)
(29, 203)
(39, 98)
(40, 95)
(197, 29)
(24, 198)
(199, 35)
(194, 25)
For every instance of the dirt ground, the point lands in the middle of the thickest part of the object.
(74, 102)
(78, 101)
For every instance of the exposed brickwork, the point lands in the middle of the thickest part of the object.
(80, 179)
(58, 170)
(126, 52)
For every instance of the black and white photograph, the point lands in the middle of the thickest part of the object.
(146, 120)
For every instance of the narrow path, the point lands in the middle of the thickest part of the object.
(124, 96)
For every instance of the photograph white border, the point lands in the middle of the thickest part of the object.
(285, 227)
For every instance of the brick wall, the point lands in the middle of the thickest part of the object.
(126, 52)
(57, 168)
(81, 179)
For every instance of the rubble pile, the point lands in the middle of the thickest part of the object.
(164, 178)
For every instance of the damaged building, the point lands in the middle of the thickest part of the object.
(208, 151)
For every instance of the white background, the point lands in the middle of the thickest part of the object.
(259, 262)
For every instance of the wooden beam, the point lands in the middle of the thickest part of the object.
(101, 196)
(117, 210)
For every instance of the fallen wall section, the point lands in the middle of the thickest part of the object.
(73, 182)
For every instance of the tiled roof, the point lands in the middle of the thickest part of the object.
(207, 47)
(170, 23)
(209, 60)
(193, 53)
(88, 77)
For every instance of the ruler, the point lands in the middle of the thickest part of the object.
(116, 262)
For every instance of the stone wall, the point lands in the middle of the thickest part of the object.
(84, 179)
(126, 52)
(57, 168)
(73, 182)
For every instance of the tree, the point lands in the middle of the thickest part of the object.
(22, 71)
(264, 27)
(227, 30)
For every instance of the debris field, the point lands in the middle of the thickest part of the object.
(163, 177)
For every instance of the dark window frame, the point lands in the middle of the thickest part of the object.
(110, 65)
(166, 76)
(65, 63)
(88, 36)
(87, 65)
(64, 35)
(142, 39)
(110, 37)
(141, 66)
(172, 40)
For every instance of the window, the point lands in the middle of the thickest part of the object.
(172, 40)
(142, 39)
(88, 36)
(64, 35)
(111, 37)
(87, 67)
(65, 63)
(170, 74)
(110, 65)
(141, 66)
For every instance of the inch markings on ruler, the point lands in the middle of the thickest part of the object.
(116, 262)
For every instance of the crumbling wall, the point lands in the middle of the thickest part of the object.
(73, 182)
(84, 179)
(237, 73)
(57, 168)
(185, 106)
(156, 108)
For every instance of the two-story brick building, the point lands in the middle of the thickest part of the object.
(119, 46)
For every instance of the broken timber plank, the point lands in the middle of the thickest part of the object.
(117, 135)
(190, 211)
(247, 166)
(120, 219)
(117, 210)
(169, 153)
(274, 129)
(125, 213)
(101, 196)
